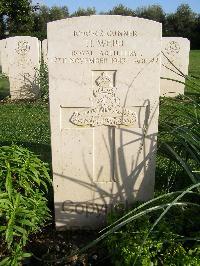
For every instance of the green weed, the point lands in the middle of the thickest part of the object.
(24, 183)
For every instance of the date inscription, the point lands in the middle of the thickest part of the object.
(104, 47)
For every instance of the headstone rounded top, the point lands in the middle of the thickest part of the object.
(177, 39)
(21, 37)
(102, 17)
(175, 61)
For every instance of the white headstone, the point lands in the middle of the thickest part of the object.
(21, 62)
(1, 48)
(175, 62)
(104, 98)
(45, 50)
(4, 57)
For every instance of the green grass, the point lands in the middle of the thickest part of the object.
(4, 88)
(176, 112)
(194, 67)
(26, 124)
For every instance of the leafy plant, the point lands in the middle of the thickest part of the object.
(152, 213)
(146, 236)
(43, 80)
(24, 181)
(179, 137)
(127, 245)
(3, 76)
(160, 231)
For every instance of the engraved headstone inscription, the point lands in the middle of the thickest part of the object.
(175, 62)
(22, 55)
(104, 74)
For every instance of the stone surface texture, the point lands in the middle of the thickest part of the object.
(20, 62)
(1, 48)
(104, 76)
(175, 62)
(4, 57)
(45, 51)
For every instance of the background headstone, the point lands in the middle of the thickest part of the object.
(175, 62)
(104, 76)
(4, 57)
(45, 50)
(21, 62)
(1, 47)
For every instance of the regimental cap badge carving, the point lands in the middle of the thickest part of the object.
(106, 109)
(23, 47)
(103, 80)
(172, 48)
(104, 85)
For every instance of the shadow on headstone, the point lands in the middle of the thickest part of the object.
(30, 89)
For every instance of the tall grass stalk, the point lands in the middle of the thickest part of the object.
(180, 143)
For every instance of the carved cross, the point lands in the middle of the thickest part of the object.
(105, 114)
